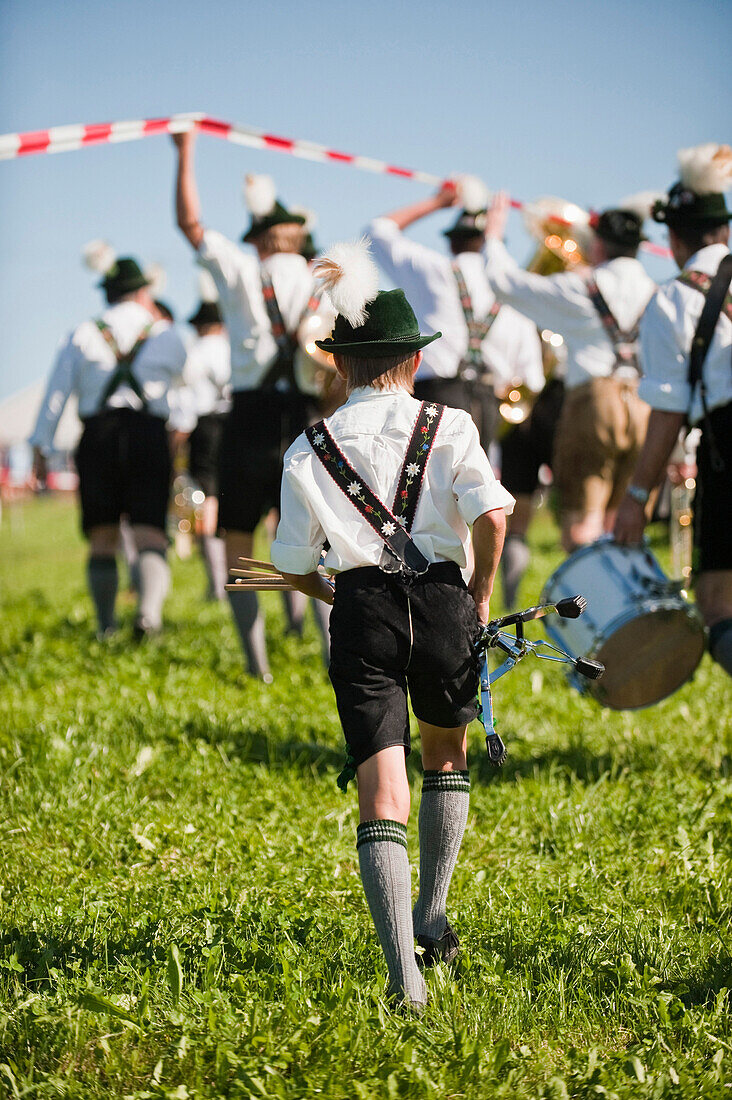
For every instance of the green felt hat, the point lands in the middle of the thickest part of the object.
(390, 328)
(684, 207)
(208, 313)
(123, 277)
(468, 224)
(621, 227)
(278, 215)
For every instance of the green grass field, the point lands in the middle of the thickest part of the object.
(181, 912)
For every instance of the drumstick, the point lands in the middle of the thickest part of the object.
(269, 585)
(261, 565)
(253, 574)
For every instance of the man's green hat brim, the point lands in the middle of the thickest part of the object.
(685, 207)
(278, 216)
(389, 328)
(378, 349)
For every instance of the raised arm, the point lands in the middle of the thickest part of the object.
(187, 204)
(407, 215)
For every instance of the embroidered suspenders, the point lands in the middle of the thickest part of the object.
(122, 374)
(283, 368)
(473, 366)
(698, 280)
(392, 525)
(625, 344)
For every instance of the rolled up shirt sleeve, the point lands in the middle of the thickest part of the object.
(476, 487)
(664, 382)
(299, 541)
(58, 390)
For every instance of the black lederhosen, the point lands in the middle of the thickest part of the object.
(528, 446)
(713, 497)
(389, 636)
(123, 462)
(203, 451)
(260, 427)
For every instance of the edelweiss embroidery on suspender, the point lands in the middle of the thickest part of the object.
(122, 374)
(473, 364)
(393, 526)
(625, 344)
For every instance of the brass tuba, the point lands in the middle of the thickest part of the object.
(563, 232)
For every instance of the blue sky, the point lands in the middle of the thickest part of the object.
(586, 100)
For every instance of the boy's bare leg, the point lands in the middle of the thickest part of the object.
(381, 839)
(443, 814)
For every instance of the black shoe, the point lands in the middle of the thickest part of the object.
(445, 950)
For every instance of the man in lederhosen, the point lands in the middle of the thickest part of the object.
(485, 348)
(262, 299)
(686, 350)
(121, 367)
(603, 421)
(207, 377)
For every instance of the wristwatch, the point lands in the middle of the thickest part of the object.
(640, 496)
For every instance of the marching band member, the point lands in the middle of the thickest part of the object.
(262, 301)
(402, 618)
(603, 421)
(482, 342)
(121, 366)
(687, 378)
(207, 376)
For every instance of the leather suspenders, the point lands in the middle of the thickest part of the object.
(717, 300)
(122, 374)
(401, 554)
(625, 344)
(283, 368)
(472, 365)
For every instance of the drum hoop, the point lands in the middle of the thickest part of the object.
(584, 551)
(644, 607)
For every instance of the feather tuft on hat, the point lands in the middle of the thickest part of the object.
(350, 277)
(473, 194)
(207, 291)
(706, 169)
(99, 256)
(260, 195)
(641, 204)
(157, 278)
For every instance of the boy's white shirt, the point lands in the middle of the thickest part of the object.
(373, 430)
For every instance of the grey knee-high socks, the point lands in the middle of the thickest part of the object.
(154, 585)
(250, 627)
(386, 877)
(514, 563)
(443, 814)
(720, 644)
(102, 579)
(213, 552)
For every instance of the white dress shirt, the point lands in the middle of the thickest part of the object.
(239, 284)
(207, 373)
(561, 303)
(85, 363)
(667, 331)
(511, 350)
(373, 430)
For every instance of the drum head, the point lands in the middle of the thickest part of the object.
(648, 658)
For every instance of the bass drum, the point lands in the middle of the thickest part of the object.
(638, 623)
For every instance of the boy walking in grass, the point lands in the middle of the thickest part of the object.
(392, 488)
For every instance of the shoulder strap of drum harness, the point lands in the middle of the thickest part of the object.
(122, 374)
(625, 343)
(400, 554)
(283, 368)
(717, 300)
(472, 365)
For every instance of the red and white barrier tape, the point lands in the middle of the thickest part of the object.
(62, 139)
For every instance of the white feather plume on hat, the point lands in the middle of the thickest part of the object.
(641, 203)
(260, 194)
(207, 291)
(157, 278)
(350, 277)
(99, 256)
(472, 193)
(706, 169)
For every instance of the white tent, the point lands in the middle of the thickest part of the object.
(18, 418)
